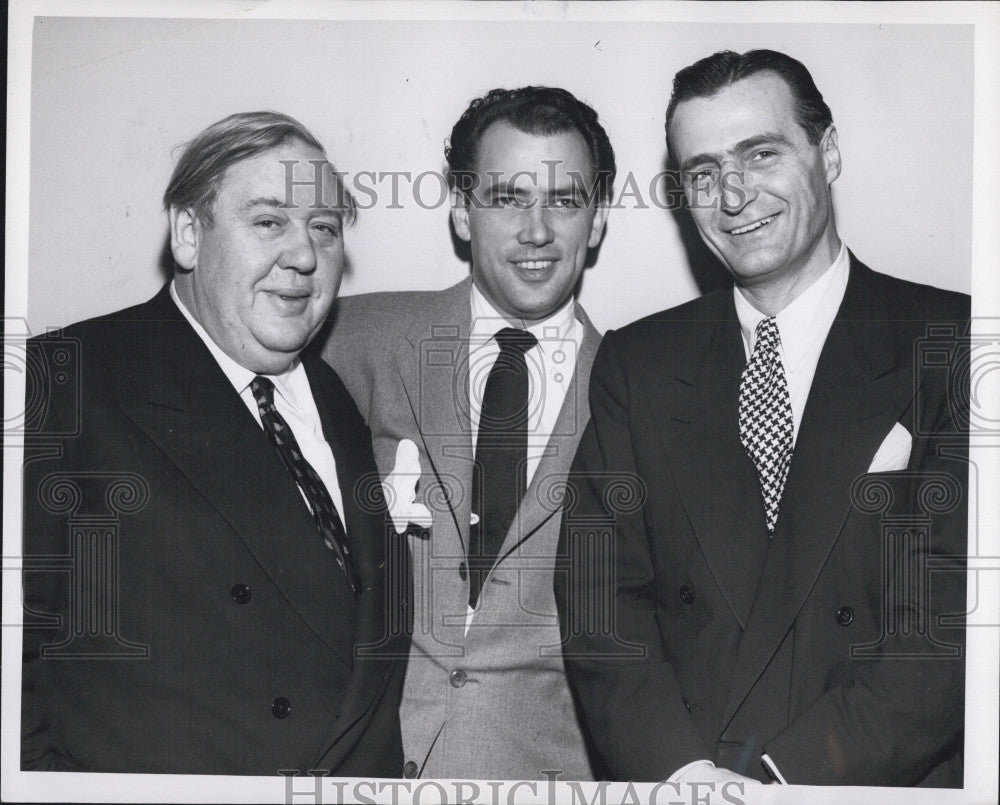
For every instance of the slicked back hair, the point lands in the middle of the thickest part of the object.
(198, 174)
(533, 110)
(709, 76)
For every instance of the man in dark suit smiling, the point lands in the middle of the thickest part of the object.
(800, 472)
(211, 538)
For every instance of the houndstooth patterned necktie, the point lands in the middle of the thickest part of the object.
(325, 515)
(766, 417)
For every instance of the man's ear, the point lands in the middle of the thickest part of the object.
(597, 227)
(831, 154)
(185, 234)
(460, 214)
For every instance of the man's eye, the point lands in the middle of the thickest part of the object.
(328, 230)
(703, 177)
(764, 155)
(267, 224)
(569, 202)
(507, 201)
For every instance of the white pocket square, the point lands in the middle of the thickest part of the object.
(401, 489)
(894, 452)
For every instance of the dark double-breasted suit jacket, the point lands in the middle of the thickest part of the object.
(830, 646)
(181, 611)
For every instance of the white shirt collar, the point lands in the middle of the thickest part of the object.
(806, 318)
(487, 321)
(289, 383)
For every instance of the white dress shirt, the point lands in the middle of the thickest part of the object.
(294, 400)
(803, 326)
(550, 363)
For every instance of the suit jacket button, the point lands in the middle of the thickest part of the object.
(240, 593)
(845, 616)
(687, 594)
(463, 570)
(281, 707)
(457, 678)
(410, 770)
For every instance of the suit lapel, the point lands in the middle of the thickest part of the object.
(182, 400)
(854, 400)
(539, 503)
(378, 556)
(714, 477)
(433, 366)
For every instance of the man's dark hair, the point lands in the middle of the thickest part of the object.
(533, 110)
(711, 75)
(198, 174)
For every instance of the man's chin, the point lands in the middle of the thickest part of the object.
(275, 354)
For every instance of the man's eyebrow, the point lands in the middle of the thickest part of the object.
(272, 202)
(767, 138)
(499, 185)
(262, 201)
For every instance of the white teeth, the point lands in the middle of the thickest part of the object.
(755, 225)
(534, 264)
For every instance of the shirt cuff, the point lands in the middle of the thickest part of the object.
(676, 776)
(773, 769)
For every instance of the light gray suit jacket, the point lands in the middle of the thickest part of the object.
(492, 704)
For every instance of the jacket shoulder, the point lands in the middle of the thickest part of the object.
(688, 318)
(908, 300)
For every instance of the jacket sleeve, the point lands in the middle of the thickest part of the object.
(626, 686)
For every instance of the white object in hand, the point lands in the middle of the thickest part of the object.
(713, 785)
(401, 489)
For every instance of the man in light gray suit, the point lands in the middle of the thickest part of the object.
(476, 397)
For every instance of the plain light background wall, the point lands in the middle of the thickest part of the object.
(112, 98)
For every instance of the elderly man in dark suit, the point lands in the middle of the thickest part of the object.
(774, 601)
(206, 550)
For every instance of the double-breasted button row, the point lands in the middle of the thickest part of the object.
(410, 770)
(845, 616)
(686, 593)
(458, 678)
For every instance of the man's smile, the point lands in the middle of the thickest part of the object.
(754, 226)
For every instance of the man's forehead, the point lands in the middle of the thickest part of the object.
(291, 174)
(509, 156)
(747, 108)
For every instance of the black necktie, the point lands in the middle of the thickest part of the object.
(766, 417)
(325, 515)
(500, 471)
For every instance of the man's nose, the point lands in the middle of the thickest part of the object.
(535, 228)
(299, 253)
(736, 188)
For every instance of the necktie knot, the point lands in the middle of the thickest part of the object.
(512, 339)
(767, 336)
(263, 390)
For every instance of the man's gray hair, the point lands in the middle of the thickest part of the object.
(198, 174)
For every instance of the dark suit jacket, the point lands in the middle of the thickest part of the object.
(821, 646)
(182, 613)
